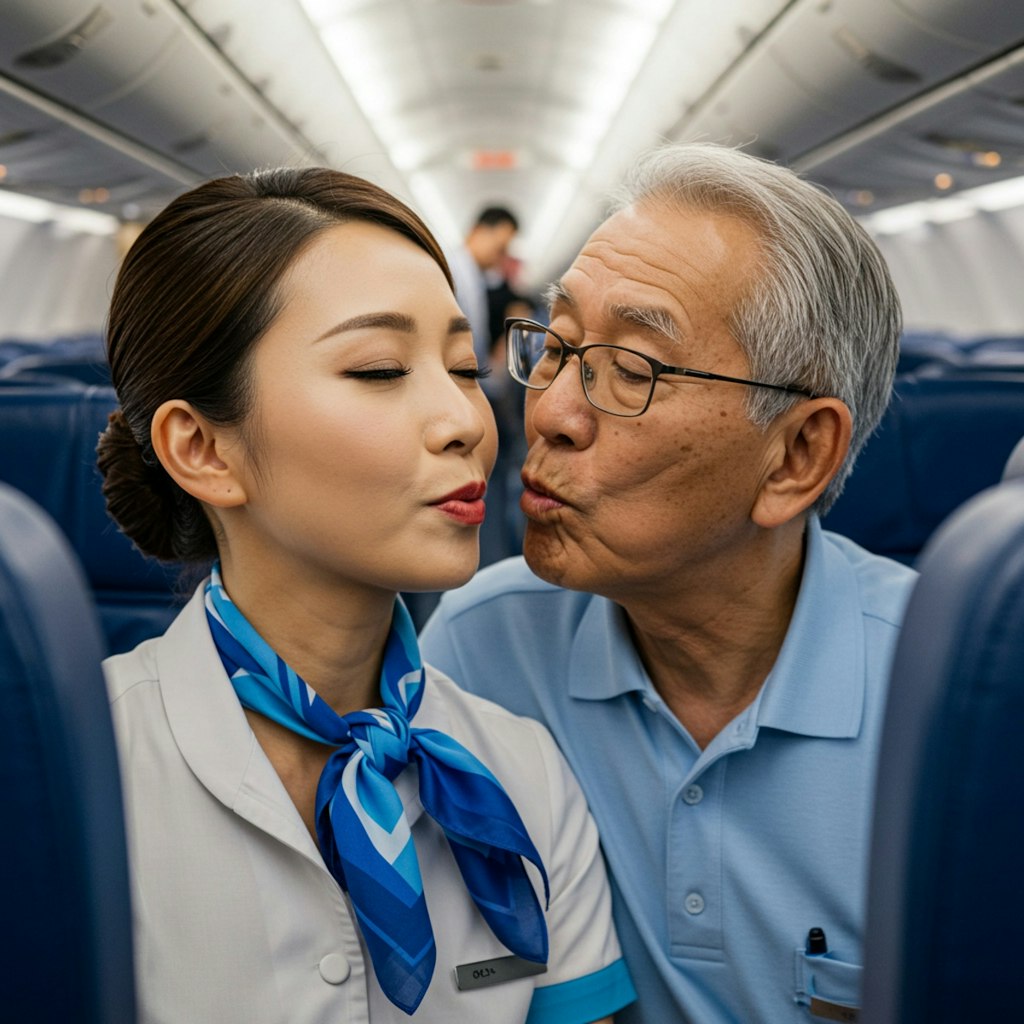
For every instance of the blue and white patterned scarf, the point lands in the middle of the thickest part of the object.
(362, 830)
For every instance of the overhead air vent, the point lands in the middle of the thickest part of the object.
(877, 65)
(957, 145)
(12, 138)
(191, 143)
(59, 51)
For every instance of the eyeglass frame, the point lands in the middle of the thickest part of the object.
(657, 367)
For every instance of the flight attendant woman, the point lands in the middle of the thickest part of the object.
(321, 828)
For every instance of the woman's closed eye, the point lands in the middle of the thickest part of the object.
(472, 372)
(379, 373)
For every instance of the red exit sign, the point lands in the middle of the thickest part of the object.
(494, 159)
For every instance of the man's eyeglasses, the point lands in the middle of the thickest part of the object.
(615, 380)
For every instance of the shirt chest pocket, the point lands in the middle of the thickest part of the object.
(829, 988)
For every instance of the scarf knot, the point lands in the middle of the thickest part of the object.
(383, 736)
(362, 830)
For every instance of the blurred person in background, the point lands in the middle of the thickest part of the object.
(477, 266)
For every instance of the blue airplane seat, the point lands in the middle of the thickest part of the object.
(943, 439)
(918, 348)
(86, 345)
(94, 371)
(48, 451)
(29, 379)
(1015, 463)
(945, 900)
(67, 942)
(998, 343)
(980, 361)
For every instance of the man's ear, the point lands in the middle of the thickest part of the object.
(811, 442)
(198, 455)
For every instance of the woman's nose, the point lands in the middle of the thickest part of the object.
(459, 419)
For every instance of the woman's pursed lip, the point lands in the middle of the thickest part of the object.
(469, 492)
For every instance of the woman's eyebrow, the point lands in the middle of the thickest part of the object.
(386, 321)
(459, 325)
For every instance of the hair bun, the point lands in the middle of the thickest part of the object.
(139, 494)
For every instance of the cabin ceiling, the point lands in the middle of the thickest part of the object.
(538, 104)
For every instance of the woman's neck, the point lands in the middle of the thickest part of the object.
(332, 637)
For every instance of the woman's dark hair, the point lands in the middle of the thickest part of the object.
(196, 292)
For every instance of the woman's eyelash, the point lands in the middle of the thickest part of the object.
(395, 372)
(384, 373)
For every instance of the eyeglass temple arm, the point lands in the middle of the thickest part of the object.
(705, 375)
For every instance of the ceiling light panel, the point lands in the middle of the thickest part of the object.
(281, 53)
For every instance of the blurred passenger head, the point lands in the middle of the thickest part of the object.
(821, 312)
(489, 238)
(196, 292)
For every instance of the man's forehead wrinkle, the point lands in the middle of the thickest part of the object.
(671, 270)
(624, 292)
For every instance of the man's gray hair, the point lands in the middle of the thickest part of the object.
(824, 316)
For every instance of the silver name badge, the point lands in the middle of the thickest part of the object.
(494, 972)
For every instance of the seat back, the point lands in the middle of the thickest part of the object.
(48, 436)
(943, 439)
(945, 898)
(1015, 463)
(87, 370)
(67, 951)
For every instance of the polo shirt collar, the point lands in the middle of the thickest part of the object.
(604, 661)
(816, 687)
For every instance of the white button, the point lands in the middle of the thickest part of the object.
(694, 903)
(334, 969)
(693, 794)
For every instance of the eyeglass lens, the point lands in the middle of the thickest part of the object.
(614, 379)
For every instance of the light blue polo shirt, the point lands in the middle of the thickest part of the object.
(721, 860)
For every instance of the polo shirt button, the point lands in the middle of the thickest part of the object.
(334, 969)
(693, 794)
(694, 903)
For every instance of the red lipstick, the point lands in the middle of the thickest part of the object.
(465, 505)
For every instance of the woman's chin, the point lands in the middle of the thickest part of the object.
(446, 577)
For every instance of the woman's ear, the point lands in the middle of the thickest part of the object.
(812, 440)
(202, 458)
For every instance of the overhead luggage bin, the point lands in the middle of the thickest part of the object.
(88, 51)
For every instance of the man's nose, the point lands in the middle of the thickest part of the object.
(562, 413)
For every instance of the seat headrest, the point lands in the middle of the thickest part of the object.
(1015, 463)
(50, 433)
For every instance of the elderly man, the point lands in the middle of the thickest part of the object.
(713, 664)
